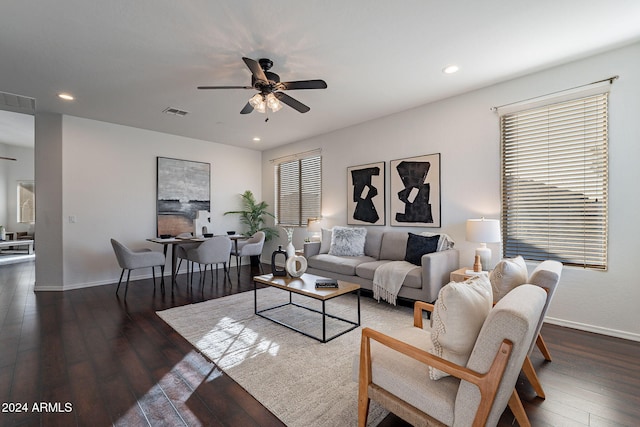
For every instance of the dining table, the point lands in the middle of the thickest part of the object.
(177, 241)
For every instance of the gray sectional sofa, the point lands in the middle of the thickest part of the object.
(383, 246)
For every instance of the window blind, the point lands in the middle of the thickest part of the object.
(555, 180)
(298, 190)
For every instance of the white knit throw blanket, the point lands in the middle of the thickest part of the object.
(388, 279)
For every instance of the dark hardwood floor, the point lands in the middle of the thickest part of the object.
(87, 358)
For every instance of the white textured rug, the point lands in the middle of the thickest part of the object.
(302, 381)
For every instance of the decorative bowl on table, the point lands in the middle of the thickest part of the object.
(165, 236)
(208, 234)
(231, 233)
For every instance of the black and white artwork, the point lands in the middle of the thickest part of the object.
(415, 191)
(183, 189)
(365, 194)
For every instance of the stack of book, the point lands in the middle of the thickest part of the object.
(326, 283)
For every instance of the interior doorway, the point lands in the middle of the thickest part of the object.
(17, 175)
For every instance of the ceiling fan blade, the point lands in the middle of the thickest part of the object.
(225, 87)
(303, 84)
(247, 109)
(291, 102)
(256, 69)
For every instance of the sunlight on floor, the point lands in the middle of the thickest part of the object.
(180, 383)
(232, 342)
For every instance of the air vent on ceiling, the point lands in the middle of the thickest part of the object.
(175, 111)
(17, 103)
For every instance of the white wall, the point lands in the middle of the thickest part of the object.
(10, 173)
(465, 131)
(109, 185)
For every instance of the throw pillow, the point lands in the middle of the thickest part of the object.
(419, 245)
(325, 241)
(347, 241)
(509, 273)
(458, 316)
(445, 242)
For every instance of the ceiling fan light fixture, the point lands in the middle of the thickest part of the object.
(258, 104)
(273, 103)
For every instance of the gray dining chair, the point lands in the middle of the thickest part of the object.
(212, 251)
(181, 251)
(250, 247)
(134, 259)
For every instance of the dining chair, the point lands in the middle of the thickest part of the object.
(134, 259)
(250, 247)
(181, 251)
(212, 251)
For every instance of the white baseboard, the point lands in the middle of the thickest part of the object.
(595, 329)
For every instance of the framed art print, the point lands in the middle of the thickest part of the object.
(182, 190)
(366, 195)
(415, 191)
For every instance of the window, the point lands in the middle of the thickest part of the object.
(26, 202)
(554, 182)
(298, 187)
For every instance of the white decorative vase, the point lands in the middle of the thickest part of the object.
(296, 265)
(291, 251)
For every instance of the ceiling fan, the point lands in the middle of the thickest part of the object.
(269, 86)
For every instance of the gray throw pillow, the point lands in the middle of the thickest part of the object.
(347, 241)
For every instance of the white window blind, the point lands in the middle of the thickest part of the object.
(298, 185)
(554, 182)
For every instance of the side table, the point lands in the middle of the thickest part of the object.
(460, 275)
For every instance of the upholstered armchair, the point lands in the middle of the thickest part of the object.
(133, 260)
(394, 369)
(512, 272)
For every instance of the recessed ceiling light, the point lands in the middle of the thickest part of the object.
(450, 69)
(66, 96)
(256, 139)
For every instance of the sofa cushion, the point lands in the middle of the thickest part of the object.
(419, 245)
(347, 241)
(337, 264)
(394, 245)
(509, 273)
(458, 316)
(325, 241)
(372, 243)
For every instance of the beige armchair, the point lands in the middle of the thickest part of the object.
(393, 370)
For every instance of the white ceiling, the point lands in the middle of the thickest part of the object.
(126, 61)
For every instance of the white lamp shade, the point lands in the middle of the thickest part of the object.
(313, 225)
(483, 230)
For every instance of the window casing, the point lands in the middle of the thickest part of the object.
(555, 182)
(298, 188)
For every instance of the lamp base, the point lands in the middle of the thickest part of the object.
(485, 257)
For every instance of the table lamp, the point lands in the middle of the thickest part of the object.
(483, 231)
(314, 228)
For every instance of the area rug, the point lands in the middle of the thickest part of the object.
(302, 381)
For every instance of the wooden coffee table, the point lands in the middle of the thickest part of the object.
(306, 285)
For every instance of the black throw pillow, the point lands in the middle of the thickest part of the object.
(419, 245)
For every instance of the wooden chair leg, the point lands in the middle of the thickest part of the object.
(518, 410)
(543, 348)
(530, 373)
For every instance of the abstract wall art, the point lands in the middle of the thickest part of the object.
(415, 191)
(366, 194)
(183, 189)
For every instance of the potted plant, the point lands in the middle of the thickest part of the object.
(253, 216)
